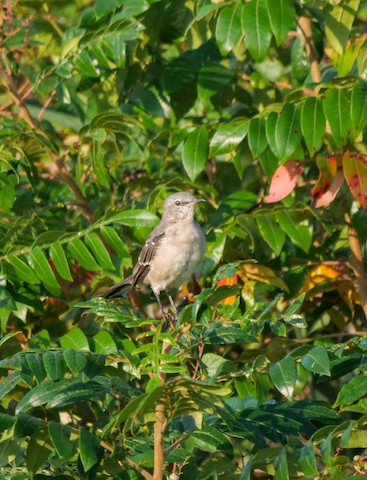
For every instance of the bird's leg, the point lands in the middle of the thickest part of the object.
(172, 305)
(164, 314)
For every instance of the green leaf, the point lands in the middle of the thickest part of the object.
(40, 264)
(99, 164)
(75, 360)
(54, 364)
(300, 234)
(313, 124)
(38, 450)
(307, 460)
(88, 449)
(81, 253)
(339, 19)
(256, 28)
(9, 383)
(26, 425)
(284, 376)
(59, 259)
(6, 422)
(104, 343)
(195, 152)
(22, 269)
(337, 111)
(257, 136)
(35, 364)
(228, 136)
(228, 28)
(353, 390)
(60, 436)
(362, 60)
(209, 439)
(317, 361)
(84, 64)
(213, 78)
(75, 339)
(281, 466)
(287, 132)
(99, 251)
(359, 108)
(270, 128)
(133, 218)
(271, 233)
(113, 239)
(281, 16)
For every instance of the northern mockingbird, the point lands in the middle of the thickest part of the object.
(171, 253)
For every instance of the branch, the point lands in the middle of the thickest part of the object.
(306, 30)
(132, 464)
(59, 160)
(357, 264)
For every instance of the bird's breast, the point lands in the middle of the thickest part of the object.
(177, 258)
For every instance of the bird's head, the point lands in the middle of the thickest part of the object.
(180, 207)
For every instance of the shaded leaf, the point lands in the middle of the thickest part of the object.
(60, 436)
(38, 450)
(195, 152)
(88, 449)
(271, 233)
(257, 136)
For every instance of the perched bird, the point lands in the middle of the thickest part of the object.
(171, 253)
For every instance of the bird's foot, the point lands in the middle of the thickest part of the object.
(169, 320)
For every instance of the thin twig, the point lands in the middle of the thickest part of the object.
(306, 30)
(357, 264)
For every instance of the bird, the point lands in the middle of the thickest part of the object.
(171, 253)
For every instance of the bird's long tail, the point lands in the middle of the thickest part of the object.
(120, 289)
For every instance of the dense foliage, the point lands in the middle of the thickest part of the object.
(258, 106)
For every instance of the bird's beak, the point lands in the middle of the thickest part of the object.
(198, 200)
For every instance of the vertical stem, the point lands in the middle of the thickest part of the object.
(357, 264)
(160, 426)
(305, 26)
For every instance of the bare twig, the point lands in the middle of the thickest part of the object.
(357, 264)
(131, 462)
(306, 30)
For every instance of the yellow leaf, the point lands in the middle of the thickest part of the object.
(260, 273)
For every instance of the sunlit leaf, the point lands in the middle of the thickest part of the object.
(284, 181)
(313, 124)
(355, 172)
(256, 27)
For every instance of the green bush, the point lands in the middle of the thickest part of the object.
(259, 107)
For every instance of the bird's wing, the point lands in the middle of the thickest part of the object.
(147, 254)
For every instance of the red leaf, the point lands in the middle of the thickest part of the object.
(355, 172)
(326, 198)
(284, 180)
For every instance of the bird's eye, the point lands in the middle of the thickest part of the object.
(178, 203)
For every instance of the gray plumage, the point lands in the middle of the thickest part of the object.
(171, 253)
